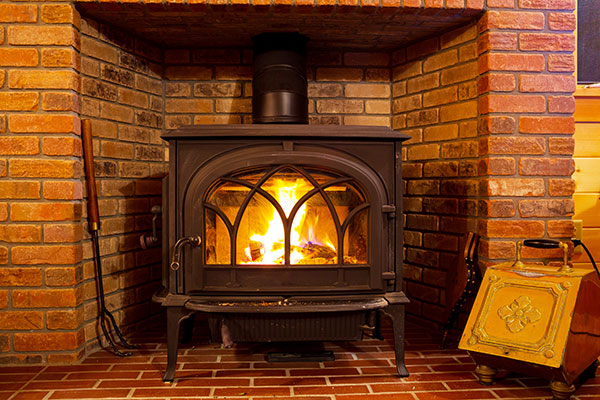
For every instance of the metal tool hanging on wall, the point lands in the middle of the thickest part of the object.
(93, 227)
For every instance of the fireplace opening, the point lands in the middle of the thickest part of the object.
(286, 216)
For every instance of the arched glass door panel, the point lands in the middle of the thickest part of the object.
(313, 234)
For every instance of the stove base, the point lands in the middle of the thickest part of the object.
(278, 319)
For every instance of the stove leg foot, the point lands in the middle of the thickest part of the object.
(396, 314)
(175, 315)
(561, 390)
(486, 374)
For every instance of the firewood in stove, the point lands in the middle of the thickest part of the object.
(257, 250)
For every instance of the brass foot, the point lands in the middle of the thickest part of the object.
(561, 391)
(485, 374)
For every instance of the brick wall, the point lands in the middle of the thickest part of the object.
(488, 106)
(122, 94)
(435, 101)
(214, 86)
(41, 292)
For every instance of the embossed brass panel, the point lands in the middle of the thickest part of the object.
(523, 314)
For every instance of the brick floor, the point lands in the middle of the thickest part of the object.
(362, 370)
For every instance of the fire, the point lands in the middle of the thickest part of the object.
(269, 247)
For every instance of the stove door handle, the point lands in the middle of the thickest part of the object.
(187, 240)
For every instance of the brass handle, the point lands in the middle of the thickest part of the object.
(187, 240)
(543, 244)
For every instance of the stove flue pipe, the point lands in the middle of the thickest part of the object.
(279, 85)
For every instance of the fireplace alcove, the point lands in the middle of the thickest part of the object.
(394, 39)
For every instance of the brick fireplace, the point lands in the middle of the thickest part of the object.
(484, 88)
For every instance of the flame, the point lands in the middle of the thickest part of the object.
(269, 248)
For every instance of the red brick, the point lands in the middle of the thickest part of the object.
(497, 166)
(561, 104)
(19, 145)
(497, 249)
(48, 341)
(458, 36)
(67, 276)
(547, 83)
(515, 20)
(454, 112)
(511, 62)
(61, 146)
(3, 299)
(70, 319)
(512, 145)
(546, 166)
(43, 123)
(561, 187)
(59, 13)
(18, 13)
(20, 277)
(20, 233)
(60, 102)
(512, 103)
(43, 34)
(561, 229)
(561, 62)
(561, 145)
(511, 229)
(233, 105)
(496, 82)
(548, 4)
(559, 125)
(546, 42)
(21, 320)
(558, 21)
(532, 187)
(58, 233)
(459, 73)
(45, 211)
(46, 298)
(31, 168)
(54, 255)
(15, 57)
(3, 255)
(501, 3)
(496, 124)
(62, 190)
(546, 208)
(440, 96)
(497, 41)
(497, 208)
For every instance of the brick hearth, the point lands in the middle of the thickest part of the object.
(362, 370)
(483, 87)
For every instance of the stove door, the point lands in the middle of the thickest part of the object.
(278, 221)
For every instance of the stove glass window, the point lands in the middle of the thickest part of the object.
(287, 215)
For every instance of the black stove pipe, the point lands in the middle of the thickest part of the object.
(279, 85)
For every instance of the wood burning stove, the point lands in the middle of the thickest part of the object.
(283, 232)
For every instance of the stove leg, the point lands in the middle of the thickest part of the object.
(396, 314)
(561, 390)
(174, 317)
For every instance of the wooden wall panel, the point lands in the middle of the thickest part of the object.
(587, 168)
